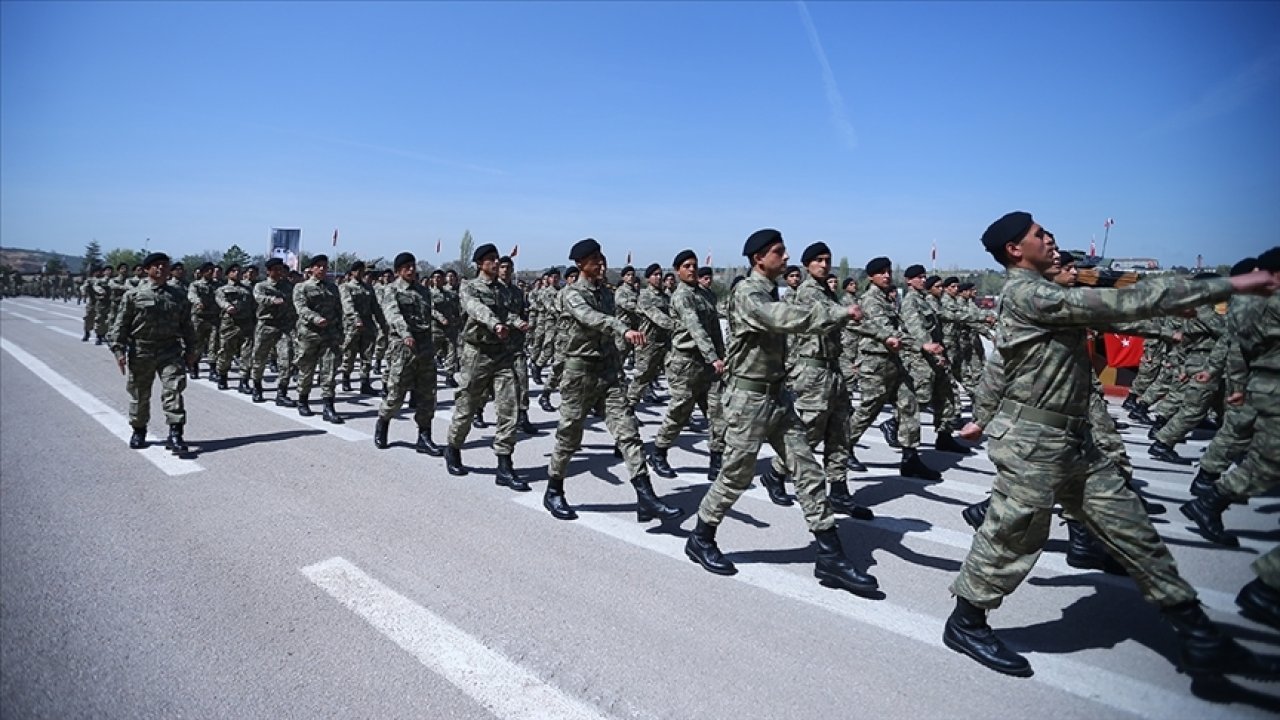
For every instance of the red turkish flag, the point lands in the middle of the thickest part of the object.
(1123, 350)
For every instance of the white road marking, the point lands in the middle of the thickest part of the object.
(504, 688)
(114, 422)
(24, 317)
(1109, 689)
(339, 431)
(51, 312)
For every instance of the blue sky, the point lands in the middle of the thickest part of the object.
(877, 128)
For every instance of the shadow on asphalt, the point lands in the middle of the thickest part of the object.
(201, 447)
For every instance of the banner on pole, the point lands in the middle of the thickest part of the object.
(286, 244)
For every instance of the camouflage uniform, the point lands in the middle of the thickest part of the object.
(104, 307)
(850, 339)
(696, 343)
(654, 311)
(446, 309)
(883, 377)
(406, 306)
(1233, 437)
(90, 290)
(276, 321)
(152, 333)
(1041, 445)
(316, 300)
(488, 363)
(202, 296)
(235, 327)
(928, 371)
(361, 321)
(1199, 337)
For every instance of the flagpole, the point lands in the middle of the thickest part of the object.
(1106, 233)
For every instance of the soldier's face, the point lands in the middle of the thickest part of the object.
(773, 260)
(1035, 250)
(629, 278)
(233, 274)
(952, 290)
(107, 272)
(1066, 275)
(504, 271)
(157, 272)
(704, 281)
(688, 271)
(319, 270)
(880, 279)
(488, 265)
(819, 267)
(275, 272)
(179, 273)
(936, 291)
(916, 283)
(832, 284)
(592, 267)
(669, 281)
(793, 280)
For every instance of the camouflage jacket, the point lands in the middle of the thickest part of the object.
(202, 294)
(406, 307)
(359, 303)
(315, 300)
(153, 319)
(824, 348)
(487, 304)
(919, 319)
(588, 321)
(446, 309)
(241, 298)
(653, 309)
(274, 302)
(626, 297)
(757, 349)
(881, 321)
(698, 324)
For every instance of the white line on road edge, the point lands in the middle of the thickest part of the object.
(504, 688)
(51, 312)
(339, 431)
(24, 317)
(114, 422)
(1104, 687)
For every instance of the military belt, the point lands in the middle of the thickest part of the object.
(813, 363)
(582, 363)
(774, 388)
(1044, 417)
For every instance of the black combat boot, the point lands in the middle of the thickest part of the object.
(1203, 482)
(1120, 425)
(775, 485)
(535, 373)
(913, 467)
(1131, 402)
(477, 420)
(967, 632)
(946, 443)
(701, 548)
(1261, 602)
(842, 502)
(1152, 508)
(194, 372)
(283, 399)
(648, 505)
(304, 406)
(553, 500)
(330, 413)
(97, 340)
(890, 429)
(138, 439)
(346, 382)
(450, 381)
(222, 382)
(243, 388)
(650, 394)
(835, 570)
(524, 425)
(1160, 451)
(366, 387)
(1155, 427)
(86, 337)
(1086, 553)
(453, 461)
(544, 402)
(1141, 414)
(658, 461)
(412, 403)
(508, 477)
(976, 514)
(175, 444)
(714, 464)
(426, 445)
(854, 464)
(1207, 651)
(380, 429)
(257, 392)
(1206, 512)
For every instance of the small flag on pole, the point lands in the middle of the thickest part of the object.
(1199, 262)
(628, 258)
(933, 254)
(1093, 246)
(437, 246)
(1108, 223)
(708, 262)
(335, 237)
(515, 250)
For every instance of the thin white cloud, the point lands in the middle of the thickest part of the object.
(1229, 94)
(839, 116)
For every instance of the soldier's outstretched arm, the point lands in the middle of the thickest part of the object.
(475, 308)
(1083, 306)
(760, 312)
(656, 313)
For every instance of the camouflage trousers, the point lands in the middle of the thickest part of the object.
(317, 352)
(1161, 386)
(881, 379)
(584, 385)
(234, 337)
(380, 348)
(90, 317)
(821, 401)
(102, 322)
(1036, 466)
(974, 360)
(649, 361)
(267, 339)
(485, 370)
(1106, 437)
(692, 380)
(204, 328)
(1260, 469)
(752, 418)
(545, 353)
(358, 344)
(557, 364)
(144, 368)
(933, 388)
(1232, 440)
(1194, 400)
(410, 370)
(1148, 367)
(446, 343)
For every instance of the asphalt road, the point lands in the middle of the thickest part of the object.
(292, 570)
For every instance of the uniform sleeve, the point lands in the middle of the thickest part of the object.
(990, 389)
(306, 316)
(913, 324)
(759, 312)
(122, 326)
(220, 297)
(474, 306)
(576, 305)
(391, 313)
(651, 309)
(1084, 306)
(350, 314)
(682, 305)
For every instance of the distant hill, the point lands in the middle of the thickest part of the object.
(33, 261)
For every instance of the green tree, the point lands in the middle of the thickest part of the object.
(92, 254)
(467, 246)
(54, 265)
(235, 255)
(123, 255)
(342, 262)
(843, 270)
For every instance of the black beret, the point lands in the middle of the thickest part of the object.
(913, 271)
(792, 270)
(232, 266)
(405, 258)
(682, 256)
(952, 280)
(1007, 229)
(250, 268)
(177, 265)
(760, 240)
(583, 249)
(571, 272)
(627, 269)
(1066, 258)
(1244, 266)
(966, 286)
(812, 252)
(357, 266)
(1270, 260)
(319, 259)
(704, 271)
(450, 271)
(506, 260)
(153, 258)
(553, 271)
(850, 281)
(878, 265)
(653, 269)
(483, 250)
(275, 262)
(930, 281)
(207, 266)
